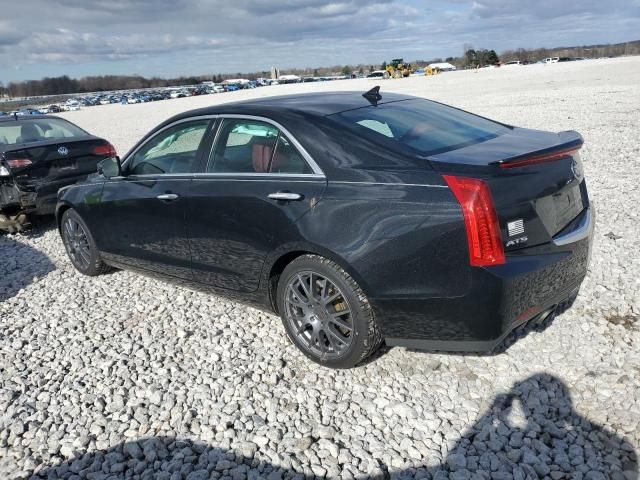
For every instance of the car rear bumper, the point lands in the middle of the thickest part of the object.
(527, 287)
(39, 198)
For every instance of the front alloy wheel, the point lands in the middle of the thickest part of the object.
(80, 245)
(77, 243)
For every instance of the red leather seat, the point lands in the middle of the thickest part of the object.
(261, 156)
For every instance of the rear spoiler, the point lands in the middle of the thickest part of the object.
(570, 142)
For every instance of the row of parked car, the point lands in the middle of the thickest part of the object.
(131, 97)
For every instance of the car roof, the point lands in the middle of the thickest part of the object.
(317, 104)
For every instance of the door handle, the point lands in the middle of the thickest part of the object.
(167, 197)
(286, 196)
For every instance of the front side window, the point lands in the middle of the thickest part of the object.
(173, 150)
(252, 146)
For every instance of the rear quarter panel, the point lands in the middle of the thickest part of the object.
(396, 240)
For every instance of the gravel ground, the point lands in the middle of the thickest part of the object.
(126, 377)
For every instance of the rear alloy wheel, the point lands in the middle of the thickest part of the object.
(325, 313)
(80, 245)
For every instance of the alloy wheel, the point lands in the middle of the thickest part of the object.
(77, 243)
(319, 314)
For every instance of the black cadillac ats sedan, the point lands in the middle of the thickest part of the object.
(359, 219)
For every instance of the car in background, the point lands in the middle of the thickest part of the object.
(71, 105)
(27, 111)
(218, 89)
(551, 60)
(38, 155)
(357, 218)
(378, 74)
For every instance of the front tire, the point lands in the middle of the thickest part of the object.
(325, 313)
(80, 245)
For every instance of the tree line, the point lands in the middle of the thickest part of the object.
(65, 84)
(471, 58)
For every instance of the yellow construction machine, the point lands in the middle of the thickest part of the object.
(398, 69)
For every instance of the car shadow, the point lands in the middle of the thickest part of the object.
(20, 265)
(40, 224)
(533, 431)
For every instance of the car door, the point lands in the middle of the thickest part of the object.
(257, 182)
(144, 210)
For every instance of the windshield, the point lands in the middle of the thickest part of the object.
(422, 125)
(36, 130)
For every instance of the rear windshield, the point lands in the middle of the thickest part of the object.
(422, 125)
(36, 130)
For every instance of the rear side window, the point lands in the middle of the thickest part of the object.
(37, 130)
(422, 125)
(252, 146)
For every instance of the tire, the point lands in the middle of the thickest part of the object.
(325, 313)
(80, 245)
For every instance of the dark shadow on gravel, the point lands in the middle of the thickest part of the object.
(40, 224)
(20, 265)
(531, 432)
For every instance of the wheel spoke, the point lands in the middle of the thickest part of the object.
(323, 289)
(341, 323)
(295, 299)
(302, 328)
(341, 313)
(68, 229)
(315, 338)
(332, 343)
(321, 344)
(336, 336)
(86, 257)
(328, 300)
(303, 284)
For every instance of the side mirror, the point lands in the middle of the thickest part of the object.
(110, 167)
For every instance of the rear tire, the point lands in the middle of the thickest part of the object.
(80, 245)
(325, 313)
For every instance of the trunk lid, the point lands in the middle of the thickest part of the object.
(535, 179)
(55, 160)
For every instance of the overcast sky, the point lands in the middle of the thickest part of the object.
(182, 37)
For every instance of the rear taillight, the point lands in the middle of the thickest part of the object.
(106, 150)
(19, 162)
(534, 159)
(480, 220)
